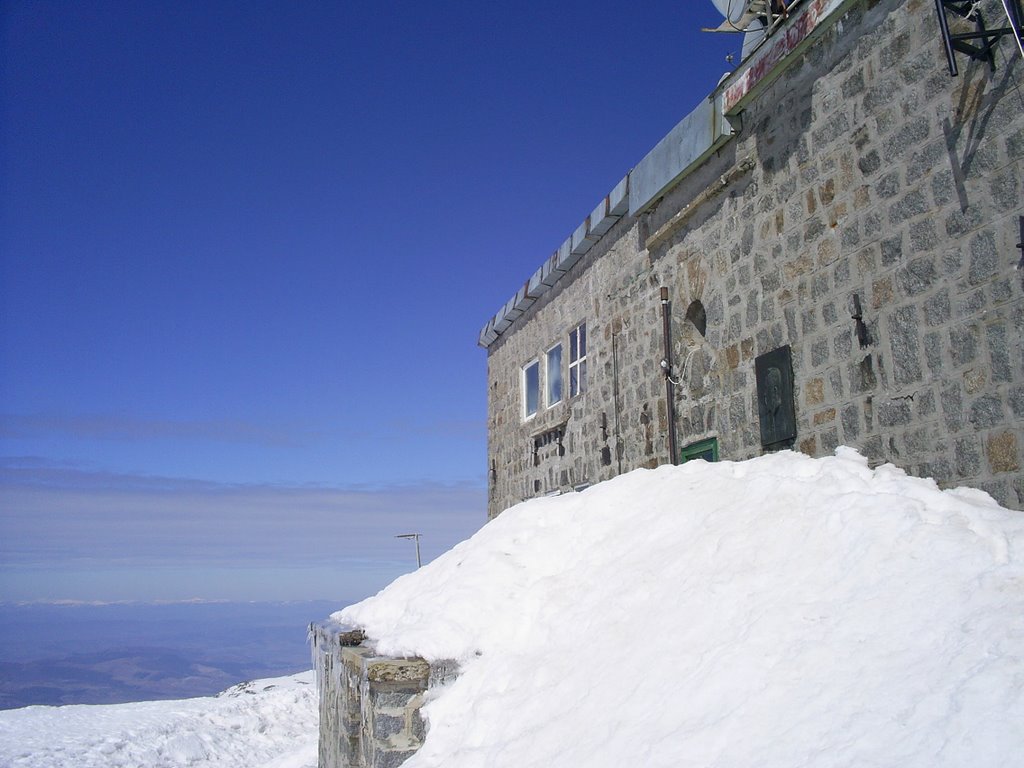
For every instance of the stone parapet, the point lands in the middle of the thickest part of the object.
(369, 703)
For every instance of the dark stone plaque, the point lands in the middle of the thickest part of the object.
(774, 373)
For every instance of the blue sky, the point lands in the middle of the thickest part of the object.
(245, 251)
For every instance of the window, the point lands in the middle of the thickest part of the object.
(531, 388)
(553, 373)
(578, 359)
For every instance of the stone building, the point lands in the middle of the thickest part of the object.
(824, 252)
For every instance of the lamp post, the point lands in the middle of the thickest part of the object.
(416, 538)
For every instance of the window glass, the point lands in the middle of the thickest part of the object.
(531, 388)
(554, 374)
(578, 360)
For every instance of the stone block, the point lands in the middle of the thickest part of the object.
(943, 187)
(386, 726)
(826, 416)
(913, 204)
(970, 304)
(819, 352)
(963, 344)
(961, 221)
(1004, 189)
(937, 309)
(387, 670)
(814, 391)
(986, 412)
(850, 418)
(922, 162)
(732, 356)
(1016, 400)
(392, 697)
(829, 440)
(951, 402)
(835, 379)
(925, 403)
(984, 258)
(862, 376)
(893, 413)
(917, 276)
(1002, 452)
(892, 250)
(904, 344)
(974, 380)
(998, 352)
(966, 456)
(869, 163)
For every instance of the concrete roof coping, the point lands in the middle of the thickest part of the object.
(684, 148)
(613, 207)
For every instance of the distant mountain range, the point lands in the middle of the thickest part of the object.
(107, 654)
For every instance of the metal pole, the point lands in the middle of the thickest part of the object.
(415, 537)
(1021, 243)
(1012, 8)
(669, 389)
(615, 396)
(940, 8)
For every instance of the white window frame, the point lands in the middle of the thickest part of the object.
(578, 366)
(525, 381)
(549, 379)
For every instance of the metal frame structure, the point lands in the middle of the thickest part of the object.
(979, 43)
(770, 13)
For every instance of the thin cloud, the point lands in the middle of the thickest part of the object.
(470, 429)
(53, 517)
(137, 428)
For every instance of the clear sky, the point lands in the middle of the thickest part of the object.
(245, 252)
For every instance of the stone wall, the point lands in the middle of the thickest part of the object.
(369, 704)
(865, 214)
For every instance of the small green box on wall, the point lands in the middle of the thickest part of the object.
(703, 449)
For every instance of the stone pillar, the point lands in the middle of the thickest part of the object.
(369, 704)
(392, 696)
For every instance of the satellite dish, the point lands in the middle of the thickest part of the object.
(752, 17)
(733, 10)
(752, 38)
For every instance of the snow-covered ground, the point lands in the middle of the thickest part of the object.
(779, 612)
(262, 724)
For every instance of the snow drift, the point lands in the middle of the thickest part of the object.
(778, 612)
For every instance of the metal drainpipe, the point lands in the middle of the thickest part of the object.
(667, 369)
(615, 397)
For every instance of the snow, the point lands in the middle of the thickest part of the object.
(262, 724)
(783, 611)
(779, 612)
